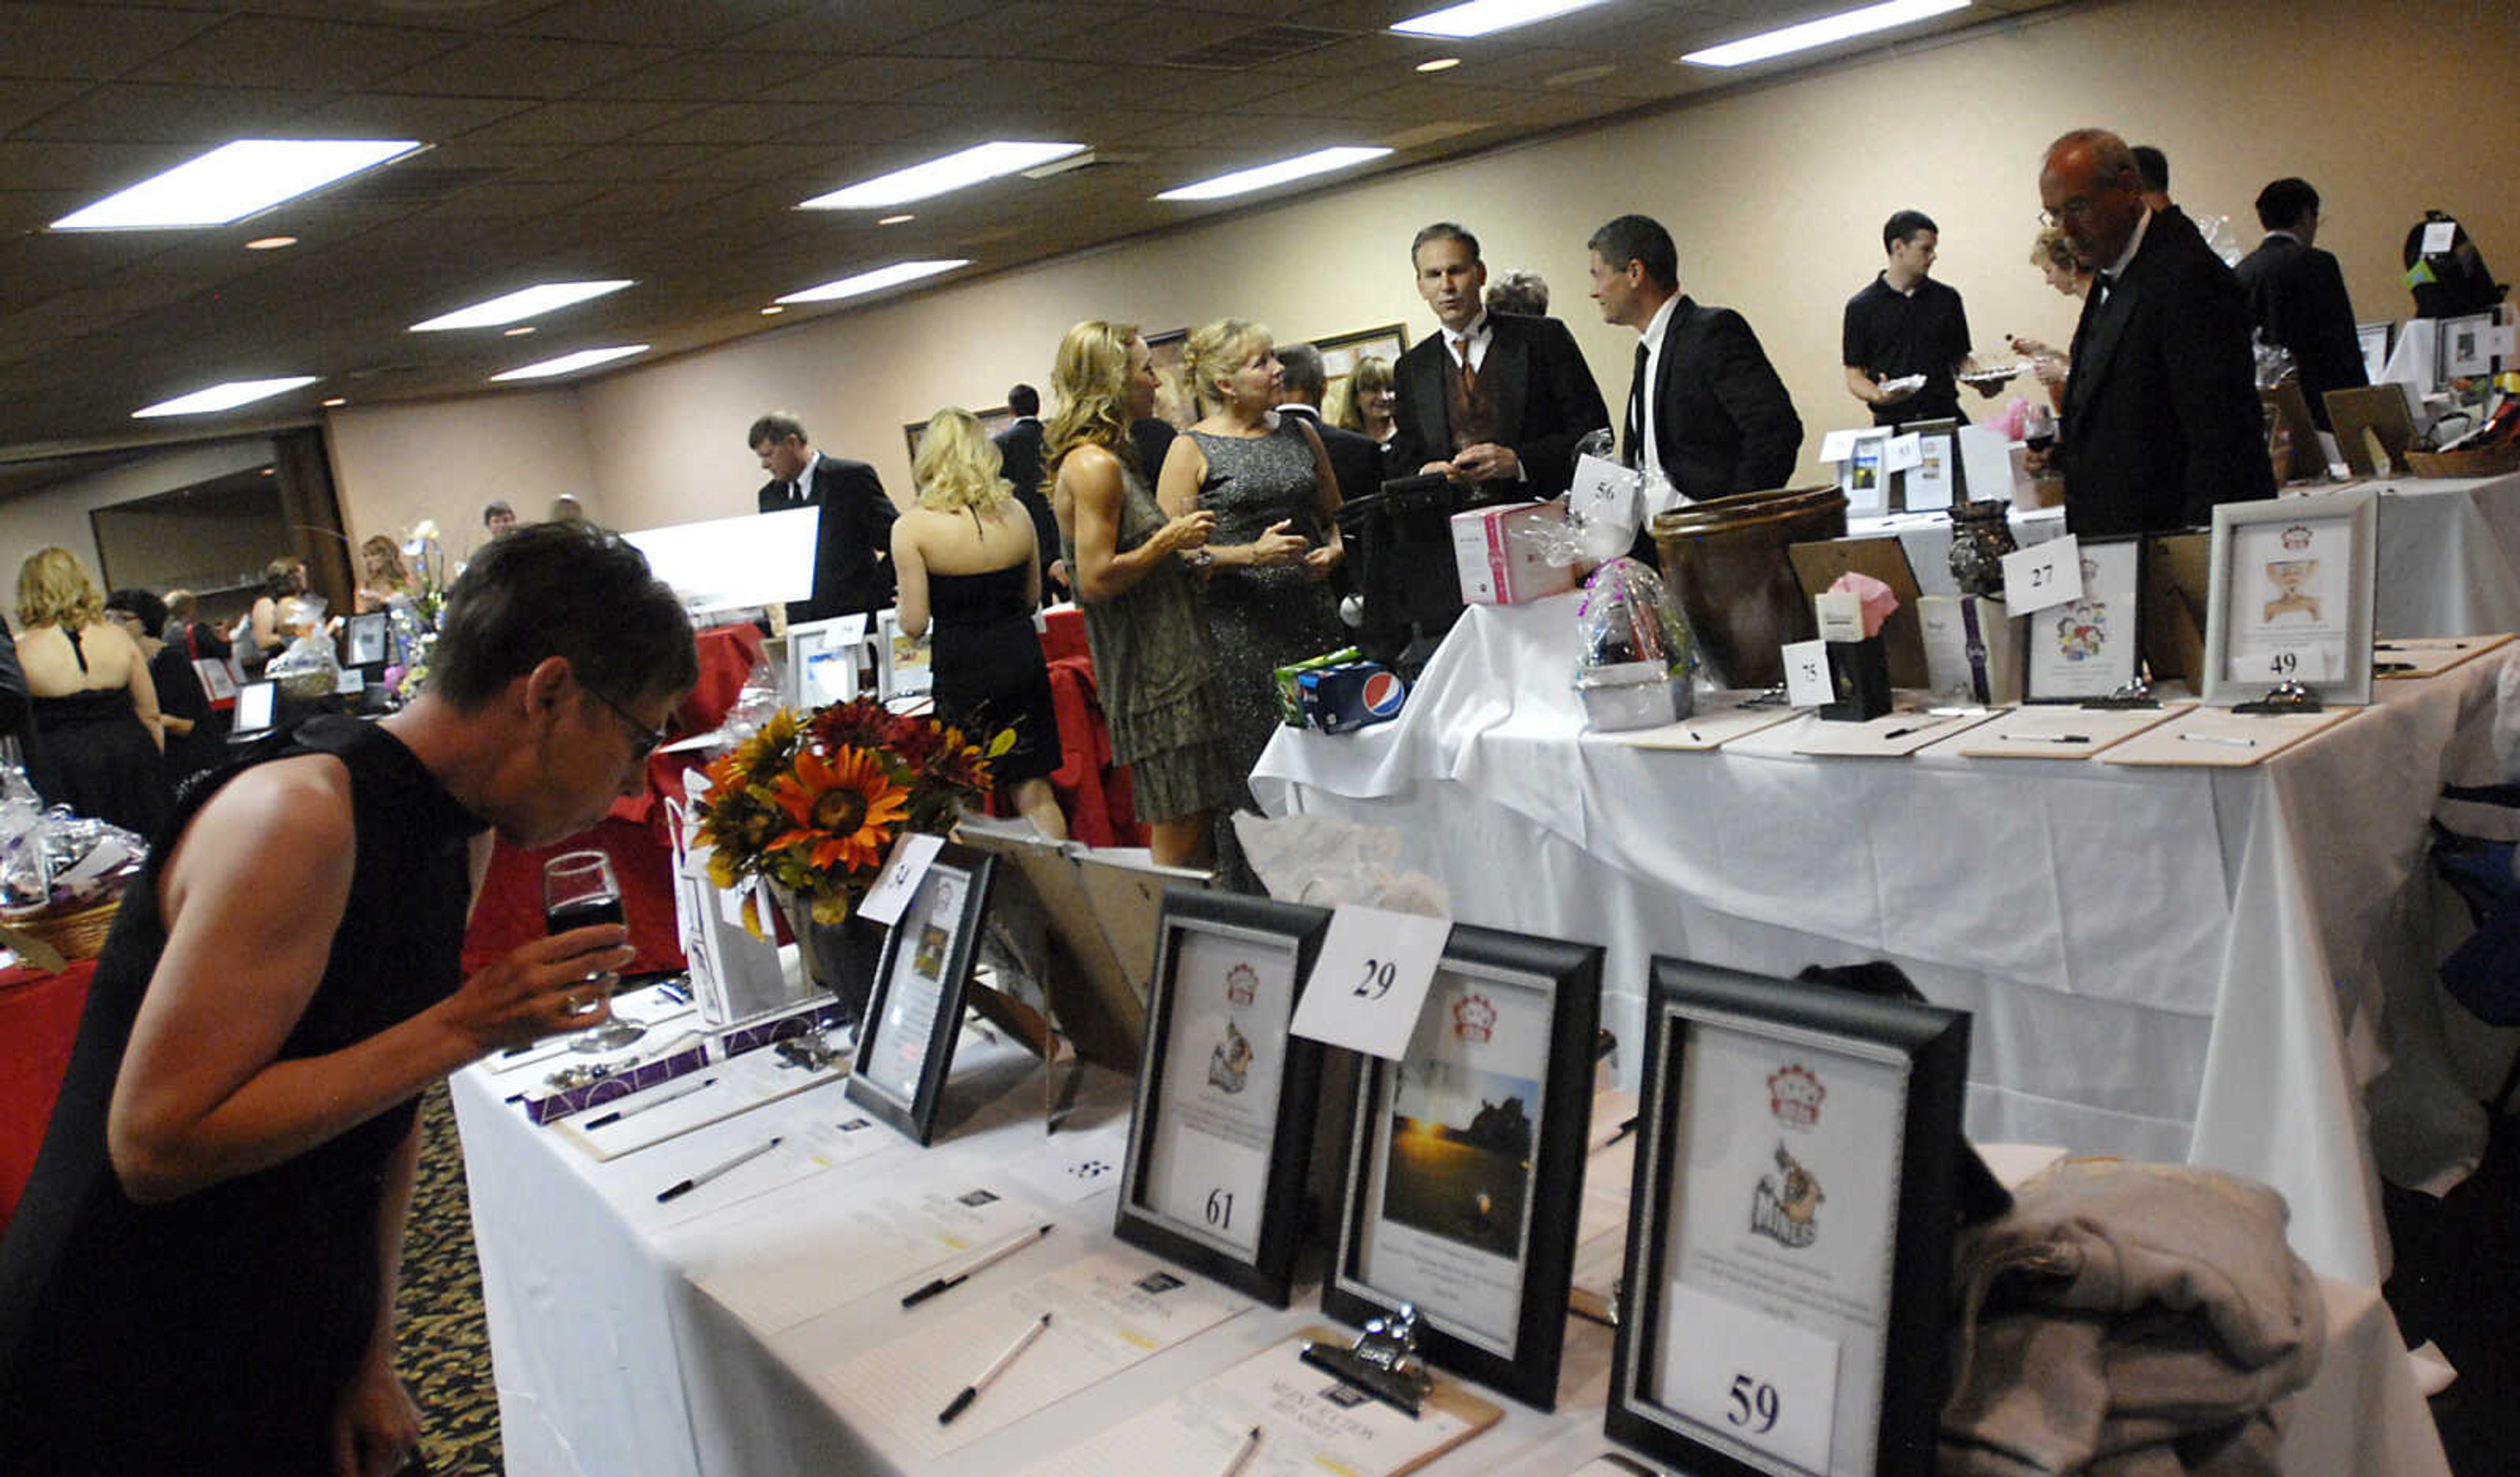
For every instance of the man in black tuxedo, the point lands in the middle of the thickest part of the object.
(2162, 418)
(1496, 400)
(853, 538)
(1356, 460)
(1705, 405)
(2296, 293)
(1020, 459)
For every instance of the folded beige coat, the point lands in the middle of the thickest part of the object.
(2128, 1319)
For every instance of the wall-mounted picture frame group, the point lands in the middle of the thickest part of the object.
(2292, 597)
(2092, 646)
(1466, 1156)
(905, 1047)
(1789, 1230)
(1222, 1135)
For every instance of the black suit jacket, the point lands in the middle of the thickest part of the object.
(1546, 400)
(1722, 421)
(2297, 294)
(853, 540)
(1355, 460)
(2162, 418)
(1019, 457)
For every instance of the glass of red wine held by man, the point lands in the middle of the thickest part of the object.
(579, 893)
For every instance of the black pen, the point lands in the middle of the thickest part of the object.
(987, 1260)
(1915, 727)
(988, 1377)
(644, 1104)
(2044, 737)
(686, 1186)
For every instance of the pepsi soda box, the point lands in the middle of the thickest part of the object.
(1291, 712)
(1343, 698)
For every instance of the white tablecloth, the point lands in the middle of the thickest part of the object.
(612, 1362)
(2448, 562)
(2155, 959)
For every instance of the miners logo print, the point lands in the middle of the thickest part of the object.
(1785, 1207)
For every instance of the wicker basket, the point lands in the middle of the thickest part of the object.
(72, 935)
(2493, 461)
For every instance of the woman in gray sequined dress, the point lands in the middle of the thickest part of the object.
(1275, 500)
(1153, 662)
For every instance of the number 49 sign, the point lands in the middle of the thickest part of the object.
(1371, 980)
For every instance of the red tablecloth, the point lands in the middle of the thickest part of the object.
(39, 1017)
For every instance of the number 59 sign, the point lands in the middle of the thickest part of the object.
(1371, 980)
(1765, 1383)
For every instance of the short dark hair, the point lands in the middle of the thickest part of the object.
(1519, 291)
(142, 603)
(1024, 400)
(1442, 230)
(2282, 204)
(1903, 227)
(1303, 372)
(495, 510)
(2153, 166)
(775, 427)
(568, 590)
(1640, 238)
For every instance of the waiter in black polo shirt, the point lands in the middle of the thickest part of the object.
(1906, 324)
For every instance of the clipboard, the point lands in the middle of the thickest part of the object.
(1449, 1396)
(1818, 565)
(2210, 737)
(2429, 656)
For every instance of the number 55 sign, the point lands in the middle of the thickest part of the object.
(1371, 980)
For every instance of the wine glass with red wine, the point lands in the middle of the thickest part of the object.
(579, 893)
(2039, 428)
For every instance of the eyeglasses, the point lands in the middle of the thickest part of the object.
(644, 739)
(2073, 210)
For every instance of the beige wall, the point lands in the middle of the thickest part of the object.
(59, 514)
(1775, 194)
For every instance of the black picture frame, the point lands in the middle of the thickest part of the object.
(936, 939)
(2126, 645)
(367, 639)
(1523, 1365)
(1276, 934)
(1811, 1028)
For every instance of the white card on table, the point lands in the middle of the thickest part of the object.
(1806, 673)
(1758, 1379)
(1838, 445)
(1903, 453)
(2043, 575)
(898, 882)
(1370, 979)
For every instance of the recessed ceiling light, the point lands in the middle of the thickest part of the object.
(218, 398)
(876, 280)
(955, 171)
(569, 364)
(771, 311)
(1261, 177)
(518, 332)
(233, 181)
(525, 302)
(1822, 31)
(270, 243)
(336, 402)
(1484, 17)
(1439, 63)
(897, 220)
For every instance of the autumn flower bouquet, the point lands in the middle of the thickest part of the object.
(811, 804)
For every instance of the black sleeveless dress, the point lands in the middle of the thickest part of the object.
(93, 754)
(989, 669)
(213, 1333)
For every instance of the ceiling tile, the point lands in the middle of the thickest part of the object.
(21, 102)
(203, 118)
(734, 124)
(382, 115)
(863, 25)
(865, 79)
(1070, 28)
(307, 54)
(578, 123)
(680, 22)
(89, 40)
(521, 67)
(711, 76)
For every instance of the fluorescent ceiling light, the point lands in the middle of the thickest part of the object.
(233, 181)
(1822, 31)
(570, 364)
(1483, 17)
(955, 171)
(876, 280)
(526, 302)
(1261, 177)
(218, 398)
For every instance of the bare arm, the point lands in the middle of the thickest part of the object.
(1032, 563)
(1185, 469)
(909, 573)
(144, 695)
(201, 1095)
(266, 622)
(1322, 561)
(1091, 487)
(375, 1423)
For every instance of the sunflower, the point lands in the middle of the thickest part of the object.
(843, 807)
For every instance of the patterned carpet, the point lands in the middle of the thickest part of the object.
(445, 1343)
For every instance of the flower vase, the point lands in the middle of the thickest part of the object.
(840, 957)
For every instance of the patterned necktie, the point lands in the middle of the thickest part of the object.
(1470, 374)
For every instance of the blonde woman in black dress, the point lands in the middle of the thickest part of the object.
(967, 560)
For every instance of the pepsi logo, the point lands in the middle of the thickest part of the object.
(1383, 693)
